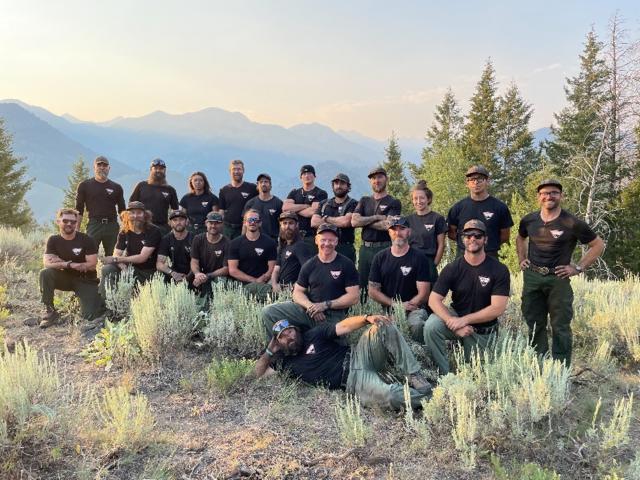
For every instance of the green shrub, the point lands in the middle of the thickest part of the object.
(353, 431)
(14, 245)
(114, 344)
(118, 294)
(224, 374)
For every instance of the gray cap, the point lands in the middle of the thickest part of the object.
(291, 215)
(376, 171)
(158, 162)
(398, 222)
(101, 159)
(477, 169)
(177, 213)
(475, 225)
(214, 217)
(327, 227)
(549, 182)
(342, 177)
(135, 205)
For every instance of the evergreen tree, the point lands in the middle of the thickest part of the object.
(480, 130)
(79, 173)
(517, 156)
(397, 185)
(623, 250)
(447, 125)
(14, 210)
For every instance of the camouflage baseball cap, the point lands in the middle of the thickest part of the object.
(475, 225)
(342, 177)
(214, 217)
(135, 205)
(547, 182)
(177, 213)
(327, 227)
(477, 170)
(398, 222)
(291, 215)
(376, 171)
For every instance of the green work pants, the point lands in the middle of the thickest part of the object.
(105, 233)
(111, 273)
(296, 315)
(416, 321)
(86, 289)
(348, 250)
(365, 258)
(231, 231)
(436, 334)
(379, 348)
(548, 298)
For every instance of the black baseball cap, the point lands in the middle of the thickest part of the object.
(477, 170)
(177, 213)
(307, 169)
(399, 222)
(475, 225)
(101, 159)
(376, 171)
(342, 177)
(327, 227)
(158, 162)
(549, 182)
(263, 175)
(135, 205)
(291, 215)
(214, 217)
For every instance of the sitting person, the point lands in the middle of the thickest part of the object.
(317, 358)
(70, 261)
(209, 255)
(176, 246)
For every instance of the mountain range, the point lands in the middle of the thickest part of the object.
(204, 140)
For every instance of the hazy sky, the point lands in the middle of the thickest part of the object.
(369, 66)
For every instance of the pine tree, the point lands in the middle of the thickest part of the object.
(447, 125)
(480, 130)
(14, 210)
(397, 185)
(79, 173)
(517, 156)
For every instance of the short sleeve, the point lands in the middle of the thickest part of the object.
(165, 246)
(584, 233)
(91, 248)
(234, 250)
(154, 237)
(195, 247)
(183, 202)
(395, 208)
(174, 199)
(51, 246)
(522, 228)
(423, 272)
(292, 195)
(360, 206)
(441, 225)
(121, 243)
(303, 276)
(322, 195)
(507, 220)
(375, 274)
(351, 279)
(443, 284)
(452, 216)
(303, 253)
(223, 202)
(273, 251)
(502, 285)
(135, 195)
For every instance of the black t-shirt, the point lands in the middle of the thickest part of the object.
(321, 359)
(398, 275)
(101, 199)
(494, 213)
(134, 242)
(233, 200)
(290, 260)
(157, 198)
(553, 243)
(425, 230)
(75, 250)
(253, 256)
(327, 281)
(197, 206)
(307, 197)
(368, 206)
(211, 256)
(333, 209)
(472, 287)
(269, 210)
(179, 251)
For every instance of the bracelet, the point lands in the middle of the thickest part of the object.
(169, 272)
(69, 264)
(268, 352)
(115, 259)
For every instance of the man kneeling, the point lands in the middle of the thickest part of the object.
(316, 357)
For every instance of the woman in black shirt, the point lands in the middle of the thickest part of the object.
(198, 202)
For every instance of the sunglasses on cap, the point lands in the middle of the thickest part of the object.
(477, 236)
(281, 325)
(253, 220)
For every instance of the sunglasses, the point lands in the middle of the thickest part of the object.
(69, 222)
(280, 326)
(477, 236)
(253, 220)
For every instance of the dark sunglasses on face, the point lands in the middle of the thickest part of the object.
(477, 236)
(69, 222)
(253, 220)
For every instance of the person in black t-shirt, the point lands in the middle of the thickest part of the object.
(176, 246)
(479, 205)
(338, 211)
(209, 255)
(233, 198)
(402, 272)
(304, 201)
(252, 257)
(269, 206)
(325, 289)
(479, 286)
(317, 357)
(198, 202)
(292, 254)
(137, 247)
(157, 196)
(546, 294)
(104, 200)
(428, 228)
(70, 262)
(372, 214)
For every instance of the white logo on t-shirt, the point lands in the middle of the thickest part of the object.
(311, 197)
(287, 254)
(340, 209)
(272, 211)
(217, 252)
(310, 350)
(187, 249)
(405, 270)
(244, 194)
(556, 233)
(109, 191)
(166, 194)
(259, 251)
(383, 207)
(487, 215)
(335, 274)
(429, 227)
(484, 281)
(76, 251)
(204, 204)
(143, 242)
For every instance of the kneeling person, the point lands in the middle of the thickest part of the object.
(316, 357)
(70, 262)
(176, 246)
(480, 291)
(209, 255)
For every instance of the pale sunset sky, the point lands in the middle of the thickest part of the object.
(368, 66)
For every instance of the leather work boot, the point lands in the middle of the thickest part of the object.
(50, 318)
(419, 382)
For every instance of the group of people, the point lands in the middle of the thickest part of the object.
(306, 244)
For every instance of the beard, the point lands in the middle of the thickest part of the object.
(340, 193)
(180, 228)
(294, 348)
(102, 175)
(379, 188)
(157, 178)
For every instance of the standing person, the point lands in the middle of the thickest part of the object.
(209, 255)
(104, 200)
(479, 286)
(427, 227)
(157, 195)
(402, 272)
(338, 211)
(70, 261)
(325, 289)
(372, 214)
(252, 257)
(176, 246)
(233, 198)
(198, 202)
(292, 254)
(479, 205)
(304, 201)
(269, 206)
(547, 295)
(137, 247)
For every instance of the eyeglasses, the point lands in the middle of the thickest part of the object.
(550, 194)
(477, 236)
(476, 179)
(253, 220)
(69, 222)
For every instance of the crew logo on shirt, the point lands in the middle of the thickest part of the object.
(259, 251)
(311, 349)
(217, 252)
(244, 194)
(287, 254)
(311, 197)
(336, 274)
(143, 242)
(165, 194)
(187, 249)
(204, 204)
(340, 209)
(272, 211)
(484, 281)
(109, 191)
(556, 233)
(405, 271)
(487, 215)
(429, 227)
(383, 207)
(76, 251)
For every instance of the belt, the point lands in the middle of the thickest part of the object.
(104, 219)
(346, 363)
(486, 330)
(376, 244)
(542, 270)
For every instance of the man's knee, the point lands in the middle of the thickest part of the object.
(433, 326)
(48, 274)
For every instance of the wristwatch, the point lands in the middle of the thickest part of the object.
(328, 304)
(579, 268)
